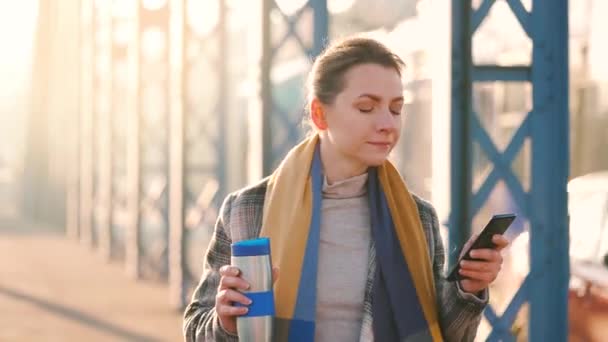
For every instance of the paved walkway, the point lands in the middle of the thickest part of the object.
(53, 289)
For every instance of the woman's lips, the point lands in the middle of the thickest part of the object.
(380, 144)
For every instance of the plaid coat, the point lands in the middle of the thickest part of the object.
(240, 218)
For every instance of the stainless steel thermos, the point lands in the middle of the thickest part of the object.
(252, 257)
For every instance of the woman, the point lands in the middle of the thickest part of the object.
(336, 203)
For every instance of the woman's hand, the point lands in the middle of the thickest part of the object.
(228, 293)
(481, 273)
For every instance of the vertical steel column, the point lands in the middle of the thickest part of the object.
(73, 177)
(132, 248)
(103, 127)
(177, 293)
(154, 137)
(266, 90)
(320, 26)
(459, 221)
(122, 75)
(86, 124)
(73, 198)
(549, 252)
(221, 106)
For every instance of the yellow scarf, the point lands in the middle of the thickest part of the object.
(287, 219)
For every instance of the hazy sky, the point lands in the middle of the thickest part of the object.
(17, 25)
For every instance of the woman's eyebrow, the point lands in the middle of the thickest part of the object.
(379, 98)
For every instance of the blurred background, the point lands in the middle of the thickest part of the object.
(124, 124)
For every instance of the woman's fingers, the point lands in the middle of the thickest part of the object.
(500, 241)
(480, 266)
(231, 280)
(275, 274)
(229, 271)
(224, 303)
(231, 277)
(229, 296)
(228, 291)
(238, 283)
(484, 269)
(227, 310)
(487, 255)
(468, 244)
(486, 277)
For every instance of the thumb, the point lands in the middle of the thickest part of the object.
(275, 274)
(468, 244)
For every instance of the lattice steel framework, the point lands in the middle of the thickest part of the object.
(85, 128)
(198, 127)
(294, 32)
(123, 92)
(128, 215)
(153, 116)
(546, 128)
(102, 123)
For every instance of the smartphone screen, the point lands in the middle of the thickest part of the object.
(497, 225)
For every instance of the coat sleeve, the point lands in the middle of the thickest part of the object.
(201, 322)
(459, 312)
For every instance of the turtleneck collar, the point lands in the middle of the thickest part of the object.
(346, 188)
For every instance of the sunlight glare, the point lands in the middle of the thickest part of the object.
(339, 6)
(203, 16)
(290, 7)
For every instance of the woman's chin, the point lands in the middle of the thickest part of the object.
(376, 160)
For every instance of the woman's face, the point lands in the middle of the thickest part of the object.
(364, 122)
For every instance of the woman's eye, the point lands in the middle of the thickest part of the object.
(366, 109)
(396, 110)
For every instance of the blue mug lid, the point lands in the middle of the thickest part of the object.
(259, 246)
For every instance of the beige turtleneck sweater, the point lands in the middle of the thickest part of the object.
(343, 260)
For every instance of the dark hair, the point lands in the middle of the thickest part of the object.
(326, 79)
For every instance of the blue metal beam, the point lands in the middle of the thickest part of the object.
(485, 73)
(521, 14)
(461, 132)
(546, 286)
(508, 156)
(502, 325)
(481, 13)
(321, 26)
(549, 253)
(502, 166)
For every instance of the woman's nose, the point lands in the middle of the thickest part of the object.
(385, 121)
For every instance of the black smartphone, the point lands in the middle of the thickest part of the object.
(497, 225)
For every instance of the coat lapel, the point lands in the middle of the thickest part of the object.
(367, 333)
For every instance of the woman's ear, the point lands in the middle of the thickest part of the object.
(317, 114)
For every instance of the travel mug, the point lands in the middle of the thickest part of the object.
(252, 257)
